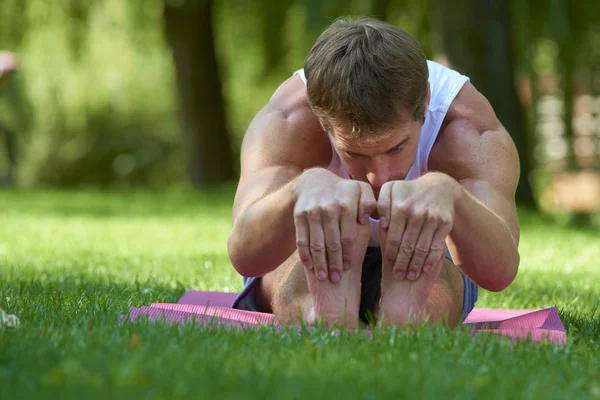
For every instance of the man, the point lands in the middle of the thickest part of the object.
(359, 174)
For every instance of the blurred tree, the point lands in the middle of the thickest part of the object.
(528, 24)
(272, 24)
(570, 25)
(414, 17)
(476, 39)
(566, 35)
(79, 13)
(79, 117)
(381, 9)
(13, 23)
(189, 32)
(13, 27)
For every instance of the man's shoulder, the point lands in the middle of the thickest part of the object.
(472, 106)
(459, 141)
(287, 130)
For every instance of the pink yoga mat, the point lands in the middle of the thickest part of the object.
(213, 308)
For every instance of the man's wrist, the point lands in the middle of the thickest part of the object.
(458, 192)
(452, 188)
(299, 183)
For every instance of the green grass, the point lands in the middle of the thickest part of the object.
(72, 262)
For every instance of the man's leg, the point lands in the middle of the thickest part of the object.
(433, 297)
(293, 293)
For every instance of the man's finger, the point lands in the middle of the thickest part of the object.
(422, 249)
(408, 245)
(333, 243)
(348, 236)
(303, 240)
(438, 248)
(317, 245)
(393, 237)
(384, 204)
(367, 203)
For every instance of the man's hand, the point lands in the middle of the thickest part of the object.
(415, 218)
(326, 214)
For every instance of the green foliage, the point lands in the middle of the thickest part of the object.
(98, 84)
(95, 102)
(72, 262)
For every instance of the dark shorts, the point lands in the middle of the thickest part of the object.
(371, 281)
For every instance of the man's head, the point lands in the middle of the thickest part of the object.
(367, 82)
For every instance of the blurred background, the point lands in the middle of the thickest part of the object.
(158, 93)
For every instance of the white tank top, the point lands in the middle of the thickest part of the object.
(445, 84)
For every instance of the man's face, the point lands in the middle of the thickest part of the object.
(380, 160)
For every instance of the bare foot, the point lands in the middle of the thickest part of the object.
(338, 303)
(403, 301)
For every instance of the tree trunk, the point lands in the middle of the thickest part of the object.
(189, 32)
(273, 20)
(476, 39)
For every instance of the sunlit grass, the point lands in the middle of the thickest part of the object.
(72, 262)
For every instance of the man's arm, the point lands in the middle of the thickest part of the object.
(480, 155)
(282, 141)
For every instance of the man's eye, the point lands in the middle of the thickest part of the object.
(396, 149)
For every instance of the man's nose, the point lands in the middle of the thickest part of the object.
(377, 175)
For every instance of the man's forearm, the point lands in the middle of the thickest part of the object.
(263, 236)
(484, 247)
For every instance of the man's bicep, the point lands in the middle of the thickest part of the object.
(494, 178)
(478, 152)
